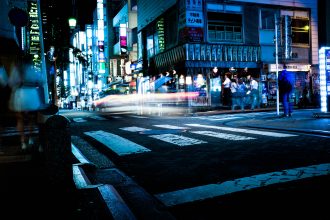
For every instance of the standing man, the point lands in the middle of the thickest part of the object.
(226, 89)
(254, 92)
(285, 84)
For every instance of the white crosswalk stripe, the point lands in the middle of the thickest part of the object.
(170, 127)
(209, 191)
(134, 129)
(79, 120)
(242, 130)
(217, 117)
(136, 116)
(117, 144)
(98, 118)
(177, 139)
(223, 135)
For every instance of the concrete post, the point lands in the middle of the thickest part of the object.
(58, 155)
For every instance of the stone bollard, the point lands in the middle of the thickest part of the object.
(58, 154)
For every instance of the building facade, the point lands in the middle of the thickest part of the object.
(200, 41)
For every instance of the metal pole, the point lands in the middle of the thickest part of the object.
(43, 62)
(276, 58)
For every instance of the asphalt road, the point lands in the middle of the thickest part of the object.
(207, 166)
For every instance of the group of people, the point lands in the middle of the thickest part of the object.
(240, 91)
(243, 91)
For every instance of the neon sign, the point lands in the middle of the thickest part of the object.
(324, 65)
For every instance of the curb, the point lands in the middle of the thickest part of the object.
(115, 204)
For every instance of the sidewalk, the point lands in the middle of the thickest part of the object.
(26, 188)
(302, 120)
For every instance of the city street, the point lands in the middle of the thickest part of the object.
(210, 165)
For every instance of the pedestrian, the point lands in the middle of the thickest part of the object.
(25, 99)
(239, 95)
(233, 89)
(9, 54)
(226, 89)
(254, 92)
(286, 85)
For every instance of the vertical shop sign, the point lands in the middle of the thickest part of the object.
(161, 34)
(123, 39)
(191, 20)
(140, 45)
(34, 35)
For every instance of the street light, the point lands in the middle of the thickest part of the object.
(72, 23)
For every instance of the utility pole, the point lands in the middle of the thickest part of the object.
(276, 58)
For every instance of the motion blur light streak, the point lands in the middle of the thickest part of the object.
(132, 99)
(146, 103)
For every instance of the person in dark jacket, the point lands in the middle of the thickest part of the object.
(286, 85)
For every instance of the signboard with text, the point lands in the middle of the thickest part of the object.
(191, 20)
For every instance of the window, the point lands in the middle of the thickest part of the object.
(224, 27)
(300, 30)
(150, 46)
(267, 19)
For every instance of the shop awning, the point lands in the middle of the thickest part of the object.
(161, 81)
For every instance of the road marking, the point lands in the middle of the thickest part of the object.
(98, 118)
(134, 129)
(209, 191)
(136, 116)
(79, 177)
(170, 127)
(223, 135)
(177, 139)
(117, 117)
(217, 118)
(77, 153)
(247, 131)
(79, 120)
(117, 144)
(322, 131)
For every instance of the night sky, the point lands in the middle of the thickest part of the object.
(83, 10)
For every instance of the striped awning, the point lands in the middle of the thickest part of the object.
(209, 55)
(168, 58)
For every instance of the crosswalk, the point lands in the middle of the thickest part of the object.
(204, 118)
(247, 131)
(184, 136)
(121, 146)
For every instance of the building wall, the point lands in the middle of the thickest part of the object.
(149, 10)
(312, 5)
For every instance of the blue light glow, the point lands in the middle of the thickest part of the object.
(324, 66)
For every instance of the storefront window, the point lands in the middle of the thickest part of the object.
(300, 31)
(224, 27)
